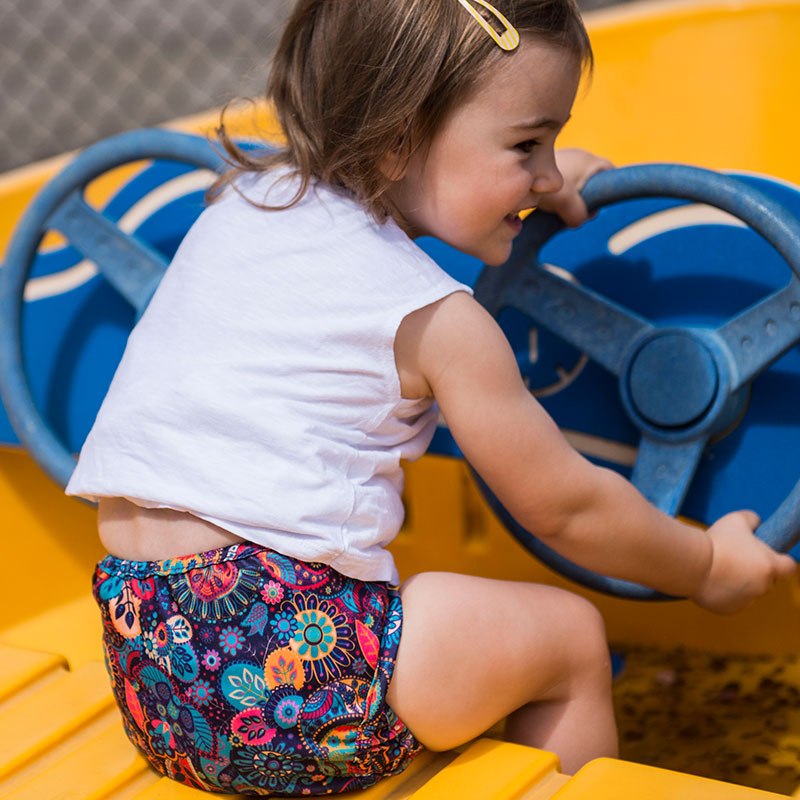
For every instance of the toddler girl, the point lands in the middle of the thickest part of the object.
(246, 459)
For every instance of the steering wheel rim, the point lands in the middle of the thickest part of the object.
(733, 355)
(136, 273)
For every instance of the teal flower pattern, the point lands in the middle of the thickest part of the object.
(315, 636)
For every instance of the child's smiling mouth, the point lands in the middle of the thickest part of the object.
(514, 221)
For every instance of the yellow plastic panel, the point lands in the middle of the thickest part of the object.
(97, 769)
(708, 83)
(50, 543)
(607, 779)
(21, 667)
(42, 720)
(490, 770)
(72, 629)
(167, 789)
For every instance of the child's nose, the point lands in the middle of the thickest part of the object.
(548, 181)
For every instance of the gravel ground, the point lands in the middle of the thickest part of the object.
(732, 718)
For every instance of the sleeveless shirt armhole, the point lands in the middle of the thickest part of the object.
(441, 289)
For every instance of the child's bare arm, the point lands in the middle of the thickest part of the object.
(587, 513)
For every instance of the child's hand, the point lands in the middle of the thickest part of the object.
(576, 167)
(742, 566)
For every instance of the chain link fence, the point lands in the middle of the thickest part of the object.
(74, 71)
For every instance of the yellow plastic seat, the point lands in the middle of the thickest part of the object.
(105, 765)
(20, 668)
(39, 720)
(607, 779)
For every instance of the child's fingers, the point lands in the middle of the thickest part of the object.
(751, 519)
(577, 166)
(599, 165)
(785, 565)
(572, 209)
(568, 204)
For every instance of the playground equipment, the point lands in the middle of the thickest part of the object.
(712, 85)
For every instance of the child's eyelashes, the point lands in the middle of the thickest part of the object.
(527, 145)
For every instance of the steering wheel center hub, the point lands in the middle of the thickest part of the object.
(672, 380)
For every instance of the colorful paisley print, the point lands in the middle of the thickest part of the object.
(243, 670)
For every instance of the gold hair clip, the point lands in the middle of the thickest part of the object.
(508, 39)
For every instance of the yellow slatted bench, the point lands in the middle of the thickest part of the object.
(61, 738)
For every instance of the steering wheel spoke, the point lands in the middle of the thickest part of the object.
(591, 323)
(762, 333)
(133, 268)
(664, 470)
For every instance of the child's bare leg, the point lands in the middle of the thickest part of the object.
(475, 650)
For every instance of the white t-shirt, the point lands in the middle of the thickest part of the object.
(259, 390)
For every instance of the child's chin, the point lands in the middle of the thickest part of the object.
(495, 259)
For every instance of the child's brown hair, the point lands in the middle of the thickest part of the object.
(355, 80)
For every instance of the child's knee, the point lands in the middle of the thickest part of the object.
(589, 646)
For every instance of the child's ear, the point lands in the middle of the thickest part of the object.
(393, 164)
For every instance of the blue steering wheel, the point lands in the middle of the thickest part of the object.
(680, 386)
(129, 264)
